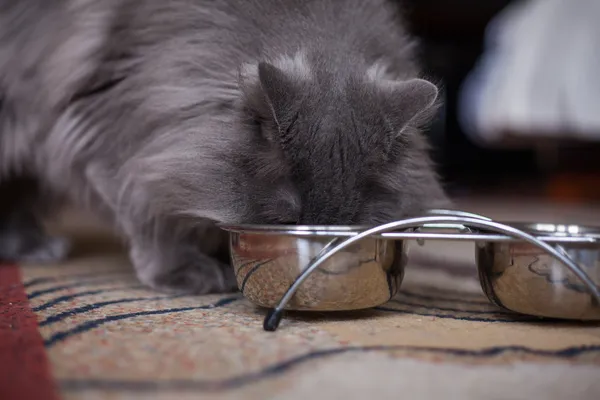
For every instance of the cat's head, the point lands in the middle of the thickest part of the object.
(337, 147)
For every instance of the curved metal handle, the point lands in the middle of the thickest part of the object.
(460, 228)
(273, 318)
(456, 213)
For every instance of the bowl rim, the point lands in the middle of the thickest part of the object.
(296, 230)
(557, 229)
(547, 230)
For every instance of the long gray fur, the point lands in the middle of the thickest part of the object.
(165, 117)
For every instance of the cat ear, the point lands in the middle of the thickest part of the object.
(279, 90)
(272, 91)
(407, 100)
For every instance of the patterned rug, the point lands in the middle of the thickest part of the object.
(86, 329)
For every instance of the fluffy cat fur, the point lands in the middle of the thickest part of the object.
(165, 117)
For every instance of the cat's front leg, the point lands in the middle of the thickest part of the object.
(169, 254)
(180, 264)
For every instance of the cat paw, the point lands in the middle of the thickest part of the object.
(44, 250)
(51, 250)
(188, 274)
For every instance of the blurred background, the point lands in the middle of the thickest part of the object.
(519, 122)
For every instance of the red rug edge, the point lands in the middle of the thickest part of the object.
(24, 367)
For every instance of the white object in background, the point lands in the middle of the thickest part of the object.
(539, 74)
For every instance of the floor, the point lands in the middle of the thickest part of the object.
(86, 329)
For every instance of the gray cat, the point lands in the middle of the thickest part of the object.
(165, 117)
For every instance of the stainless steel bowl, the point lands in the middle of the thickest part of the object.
(524, 278)
(268, 259)
(545, 270)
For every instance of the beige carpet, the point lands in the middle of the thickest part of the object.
(107, 337)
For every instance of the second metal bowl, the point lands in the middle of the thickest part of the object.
(524, 278)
